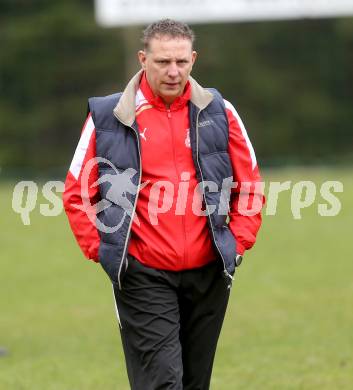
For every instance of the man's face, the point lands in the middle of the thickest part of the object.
(168, 62)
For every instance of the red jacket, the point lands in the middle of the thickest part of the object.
(169, 235)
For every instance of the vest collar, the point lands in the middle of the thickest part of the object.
(126, 108)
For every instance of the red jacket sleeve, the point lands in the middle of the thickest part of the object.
(247, 197)
(75, 197)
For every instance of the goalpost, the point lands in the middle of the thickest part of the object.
(110, 13)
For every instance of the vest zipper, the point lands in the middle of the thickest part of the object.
(135, 203)
(225, 272)
(169, 115)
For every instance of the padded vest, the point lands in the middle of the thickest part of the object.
(120, 145)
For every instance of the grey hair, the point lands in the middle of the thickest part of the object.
(167, 27)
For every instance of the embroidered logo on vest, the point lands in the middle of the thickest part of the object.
(205, 123)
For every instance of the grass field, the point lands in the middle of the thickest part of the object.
(289, 324)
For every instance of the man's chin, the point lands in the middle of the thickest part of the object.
(169, 96)
(171, 91)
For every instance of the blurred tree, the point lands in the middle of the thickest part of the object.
(291, 81)
(53, 57)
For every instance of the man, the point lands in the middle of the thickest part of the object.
(157, 211)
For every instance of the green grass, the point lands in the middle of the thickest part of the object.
(289, 323)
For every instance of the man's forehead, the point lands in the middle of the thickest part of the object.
(167, 43)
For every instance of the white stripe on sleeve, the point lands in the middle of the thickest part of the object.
(243, 131)
(77, 161)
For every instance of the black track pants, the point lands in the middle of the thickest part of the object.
(170, 324)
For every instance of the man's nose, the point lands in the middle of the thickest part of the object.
(173, 69)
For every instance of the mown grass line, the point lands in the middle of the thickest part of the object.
(288, 325)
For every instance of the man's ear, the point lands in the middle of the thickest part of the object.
(194, 56)
(142, 58)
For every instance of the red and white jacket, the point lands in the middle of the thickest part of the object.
(169, 235)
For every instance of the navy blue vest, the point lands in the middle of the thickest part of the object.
(120, 145)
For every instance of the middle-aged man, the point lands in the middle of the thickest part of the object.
(153, 193)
